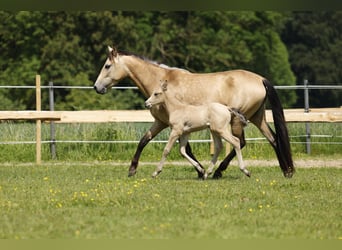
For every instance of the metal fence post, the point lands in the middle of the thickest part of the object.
(52, 123)
(307, 110)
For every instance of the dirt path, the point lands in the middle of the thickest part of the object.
(307, 163)
(299, 163)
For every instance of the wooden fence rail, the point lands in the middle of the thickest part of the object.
(98, 116)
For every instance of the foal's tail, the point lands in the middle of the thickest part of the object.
(238, 114)
(282, 147)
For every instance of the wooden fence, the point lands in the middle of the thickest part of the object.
(98, 116)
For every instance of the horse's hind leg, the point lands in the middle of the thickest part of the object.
(155, 129)
(237, 130)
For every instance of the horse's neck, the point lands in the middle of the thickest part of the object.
(145, 75)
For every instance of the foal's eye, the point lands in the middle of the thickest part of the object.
(107, 66)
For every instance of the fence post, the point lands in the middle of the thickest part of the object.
(38, 122)
(307, 110)
(52, 123)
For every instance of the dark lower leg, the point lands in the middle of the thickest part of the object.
(224, 164)
(189, 152)
(135, 161)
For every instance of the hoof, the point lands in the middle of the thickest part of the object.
(131, 173)
(155, 174)
(288, 175)
(200, 175)
(217, 175)
(246, 172)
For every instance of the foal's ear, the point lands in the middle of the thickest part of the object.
(164, 85)
(112, 53)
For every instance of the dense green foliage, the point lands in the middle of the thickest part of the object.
(99, 201)
(314, 42)
(69, 48)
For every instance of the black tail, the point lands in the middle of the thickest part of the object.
(282, 147)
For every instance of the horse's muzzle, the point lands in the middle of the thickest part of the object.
(100, 91)
(148, 105)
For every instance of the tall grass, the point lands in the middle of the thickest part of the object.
(329, 145)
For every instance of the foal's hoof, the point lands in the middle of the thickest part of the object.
(217, 175)
(246, 172)
(155, 174)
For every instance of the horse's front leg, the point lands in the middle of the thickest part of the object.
(172, 139)
(189, 153)
(155, 129)
(183, 141)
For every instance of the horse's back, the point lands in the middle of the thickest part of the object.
(239, 89)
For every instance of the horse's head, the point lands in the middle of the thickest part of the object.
(112, 71)
(158, 95)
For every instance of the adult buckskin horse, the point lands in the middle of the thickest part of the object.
(242, 90)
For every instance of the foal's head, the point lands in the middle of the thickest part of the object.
(158, 95)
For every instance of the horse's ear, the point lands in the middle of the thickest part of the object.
(112, 53)
(164, 85)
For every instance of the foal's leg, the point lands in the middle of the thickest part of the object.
(237, 130)
(183, 140)
(155, 129)
(172, 139)
(217, 150)
(236, 144)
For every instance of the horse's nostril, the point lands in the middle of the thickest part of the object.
(95, 87)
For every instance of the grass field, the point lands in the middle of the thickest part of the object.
(86, 193)
(99, 201)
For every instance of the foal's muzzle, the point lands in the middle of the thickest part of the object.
(148, 105)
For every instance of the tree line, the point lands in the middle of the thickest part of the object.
(69, 48)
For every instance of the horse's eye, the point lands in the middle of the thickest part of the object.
(107, 66)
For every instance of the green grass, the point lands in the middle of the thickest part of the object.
(100, 201)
